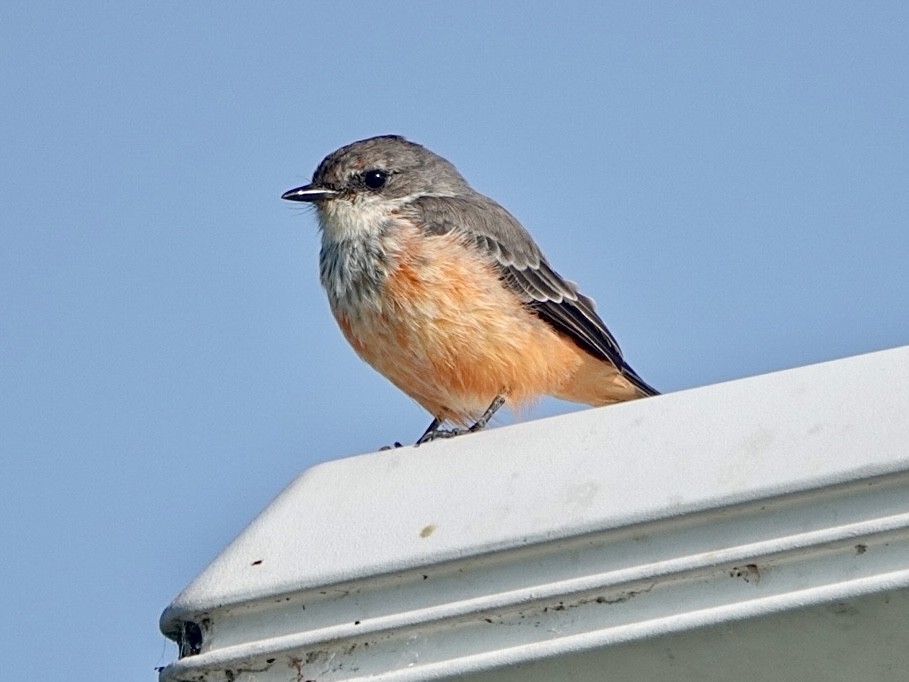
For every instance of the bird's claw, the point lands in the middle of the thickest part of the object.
(435, 434)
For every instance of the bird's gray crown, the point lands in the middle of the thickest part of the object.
(410, 169)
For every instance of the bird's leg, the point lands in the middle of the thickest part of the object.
(431, 432)
(481, 423)
(434, 431)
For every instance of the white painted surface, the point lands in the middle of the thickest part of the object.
(580, 540)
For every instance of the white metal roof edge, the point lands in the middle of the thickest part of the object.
(747, 498)
(613, 588)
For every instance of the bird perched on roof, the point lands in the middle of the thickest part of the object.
(444, 292)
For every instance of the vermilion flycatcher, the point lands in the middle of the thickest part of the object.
(445, 293)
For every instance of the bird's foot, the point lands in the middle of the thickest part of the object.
(437, 433)
(434, 432)
(481, 423)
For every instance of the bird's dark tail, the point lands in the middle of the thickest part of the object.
(642, 385)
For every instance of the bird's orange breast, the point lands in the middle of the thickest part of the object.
(449, 333)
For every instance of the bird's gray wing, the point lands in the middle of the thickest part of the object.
(524, 270)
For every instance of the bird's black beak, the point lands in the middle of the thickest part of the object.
(309, 193)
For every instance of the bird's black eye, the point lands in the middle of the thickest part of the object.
(375, 179)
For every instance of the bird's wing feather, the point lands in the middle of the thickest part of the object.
(525, 270)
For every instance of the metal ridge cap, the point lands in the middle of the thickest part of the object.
(258, 655)
(560, 477)
(752, 497)
(791, 567)
(680, 523)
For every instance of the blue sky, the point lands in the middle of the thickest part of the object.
(729, 181)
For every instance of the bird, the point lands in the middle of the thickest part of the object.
(446, 294)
